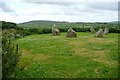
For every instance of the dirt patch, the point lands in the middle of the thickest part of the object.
(96, 55)
(25, 54)
(78, 47)
(80, 51)
(48, 47)
(77, 42)
(42, 58)
(101, 41)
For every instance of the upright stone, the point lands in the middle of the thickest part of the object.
(55, 31)
(71, 33)
(92, 30)
(106, 30)
(99, 33)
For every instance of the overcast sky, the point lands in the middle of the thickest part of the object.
(19, 11)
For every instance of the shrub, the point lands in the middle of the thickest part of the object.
(8, 25)
(9, 57)
(114, 30)
(47, 30)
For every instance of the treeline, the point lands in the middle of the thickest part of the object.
(9, 25)
(11, 30)
(48, 30)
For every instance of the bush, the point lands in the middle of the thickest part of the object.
(47, 30)
(8, 25)
(114, 30)
(82, 29)
(64, 29)
(9, 57)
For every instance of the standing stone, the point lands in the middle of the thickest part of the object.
(99, 33)
(55, 31)
(71, 33)
(106, 30)
(83, 25)
(92, 30)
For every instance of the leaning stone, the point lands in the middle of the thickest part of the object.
(71, 33)
(92, 30)
(106, 30)
(99, 33)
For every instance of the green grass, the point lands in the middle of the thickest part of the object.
(47, 56)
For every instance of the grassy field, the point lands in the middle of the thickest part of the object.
(47, 56)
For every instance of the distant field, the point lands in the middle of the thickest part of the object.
(43, 24)
(47, 56)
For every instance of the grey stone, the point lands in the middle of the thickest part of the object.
(92, 30)
(55, 31)
(106, 30)
(99, 33)
(71, 33)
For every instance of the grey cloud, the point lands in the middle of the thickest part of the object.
(104, 5)
(59, 3)
(95, 5)
(91, 7)
(72, 9)
(50, 3)
(6, 8)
